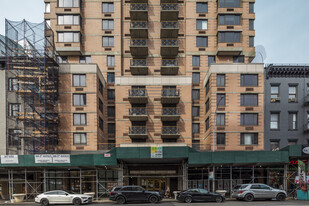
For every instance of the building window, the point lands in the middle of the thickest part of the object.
(195, 128)
(292, 142)
(110, 61)
(251, 7)
(220, 100)
(79, 119)
(249, 80)
(201, 41)
(14, 139)
(274, 121)
(111, 94)
(62, 59)
(251, 24)
(68, 37)
(292, 120)
(111, 128)
(79, 139)
(207, 124)
(201, 24)
(14, 109)
(249, 139)
(251, 41)
(249, 100)
(229, 19)
(68, 3)
(195, 94)
(108, 41)
(196, 61)
(195, 77)
(220, 138)
(111, 111)
(110, 77)
(101, 87)
(274, 145)
(85, 59)
(68, 20)
(47, 22)
(13, 84)
(100, 105)
(292, 93)
(101, 123)
(195, 111)
(196, 144)
(207, 87)
(108, 7)
(201, 7)
(47, 7)
(207, 106)
(211, 59)
(229, 37)
(229, 3)
(79, 80)
(79, 99)
(274, 93)
(107, 24)
(220, 119)
(238, 59)
(220, 80)
(248, 119)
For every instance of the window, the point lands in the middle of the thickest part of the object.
(62, 59)
(221, 100)
(201, 24)
(14, 109)
(68, 3)
(220, 80)
(292, 93)
(101, 87)
(110, 61)
(68, 36)
(292, 120)
(249, 80)
(251, 7)
(195, 77)
(211, 59)
(79, 80)
(249, 100)
(249, 139)
(229, 37)
(207, 106)
(248, 119)
(196, 144)
(111, 111)
(14, 139)
(79, 99)
(79, 139)
(195, 111)
(220, 119)
(79, 119)
(274, 121)
(229, 19)
(195, 128)
(207, 124)
(107, 24)
(111, 128)
(238, 59)
(108, 41)
(47, 21)
(68, 19)
(220, 138)
(274, 145)
(110, 77)
(229, 3)
(13, 84)
(101, 123)
(251, 24)
(195, 94)
(85, 59)
(100, 105)
(47, 7)
(196, 61)
(201, 7)
(111, 94)
(251, 41)
(292, 142)
(201, 41)
(107, 7)
(274, 93)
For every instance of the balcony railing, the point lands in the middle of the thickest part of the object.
(138, 130)
(138, 63)
(170, 92)
(169, 63)
(138, 7)
(170, 111)
(167, 130)
(169, 7)
(169, 43)
(138, 25)
(138, 111)
(169, 25)
(138, 93)
(138, 42)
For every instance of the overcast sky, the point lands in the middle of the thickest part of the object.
(282, 26)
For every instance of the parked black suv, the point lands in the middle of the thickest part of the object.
(133, 194)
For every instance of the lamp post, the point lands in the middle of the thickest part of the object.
(214, 125)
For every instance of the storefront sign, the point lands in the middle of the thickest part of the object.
(306, 150)
(43, 158)
(61, 158)
(156, 152)
(9, 159)
(52, 158)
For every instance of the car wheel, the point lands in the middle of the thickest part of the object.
(153, 199)
(249, 198)
(77, 201)
(120, 200)
(188, 199)
(219, 199)
(44, 202)
(281, 197)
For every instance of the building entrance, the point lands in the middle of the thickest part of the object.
(154, 184)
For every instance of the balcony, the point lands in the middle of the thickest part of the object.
(306, 100)
(228, 50)
(138, 114)
(170, 96)
(138, 67)
(67, 49)
(139, 29)
(306, 127)
(138, 132)
(170, 114)
(139, 12)
(169, 12)
(169, 47)
(169, 67)
(170, 132)
(139, 47)
(138, 96)
(169, 29)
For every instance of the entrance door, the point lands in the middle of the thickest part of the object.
(157, 184)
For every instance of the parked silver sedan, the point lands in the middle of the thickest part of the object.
(250, 192)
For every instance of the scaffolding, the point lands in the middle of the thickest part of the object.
(32, 88)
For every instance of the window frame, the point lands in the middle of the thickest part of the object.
(221, 135)
(293, 123)
(243, 100)
(74, 35)
(109, 38)
(110, 60)
(220, 80)
(223, 38)
(244, 119)
(80, 138)
(200, 24)
(110, 77)
(199, 7)
(220, 119)
(196, 61)
(243, 82)
(277, 122)
(110, 24)
(195, 111)
(221, 103)
(196, 77)
(255, 140)
(80, 95)
(79, 119)
(196, 94)
(63, 16)
(200, 41)
(108, 4)
(80, 80)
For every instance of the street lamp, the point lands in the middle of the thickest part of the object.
(214, 124)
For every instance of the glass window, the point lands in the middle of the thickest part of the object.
(274, 93)
(249, 100)
(111, 111)
(85, 59)
(101, 123)
(211, 59)
(220, 138)
(238, 59)
(79, 99)
(68, 19)
(220, 119)
(249, 80)
(196, 144)
(292, 120)
(251, 24)
(229, 3)
(229, 37)
(14, 137)
(107, 7)
(68, 36)
(207, 124)
(14, 109)
(274, 145)
(207, 106)
(220, 80)
(101, 87)
(195, 77)
(292, 142)
(248, 119)
(13, 84)
(201, 7)
(47, 21)
(201, 24)
(62, 59)
(196, 61)
(251, 41)
(251, 7)
(110, 77)
(100, 105)
(111, 128)
(274, 121)
(110, 60)
(79, 119)
(195, 111)
(221, 100)
(229, 19)
(107, 24)
(80, 139)
(47, 7)
(111, 94)
(195, 94)
(249, 139)
(201, 41)
(255, 187)
(195, 128)
(292, 93)
(68, 3)
(79, 80)
(108, 41)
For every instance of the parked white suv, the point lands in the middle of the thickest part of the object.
(62, 197)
